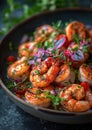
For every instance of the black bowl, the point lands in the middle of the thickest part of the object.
(15, 35)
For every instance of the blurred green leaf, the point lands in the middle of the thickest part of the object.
(10, 19)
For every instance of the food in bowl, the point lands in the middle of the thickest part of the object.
(54, 68)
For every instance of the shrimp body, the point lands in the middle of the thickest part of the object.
(74, 99)
(19, 70)
(90, 33)
(78, 57)
(85, 73)
(65, 75)
(37, 99)
(89, 97)
(44, 30)
(44, 74)
(27, 49)
(76, 27)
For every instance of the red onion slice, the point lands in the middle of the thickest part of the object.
(53, 92)
(60, 43)
(40, 53)
(77, 56)
(89, 27)
(31, 62)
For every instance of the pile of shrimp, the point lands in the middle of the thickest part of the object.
(61, 65)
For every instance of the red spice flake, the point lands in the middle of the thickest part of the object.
(85, 85)
(49, 61)
(11, 59)
(61, 86)
(67, 53)
(20, 91)
(18, 95)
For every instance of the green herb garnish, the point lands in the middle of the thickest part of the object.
(25, 49)
(27, 11)
(75, 48)
(38, 92)
(39, 45)
(85, 49)
(48, 44)
(63, 99)
(37, 72)
(69, 63)
(79, 86)
(10, 85)
(76, 38)
(10, 46)
(55, 99)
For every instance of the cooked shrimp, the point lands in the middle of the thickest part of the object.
(65, 75)
(19, 70)
(74, 99)
(77, 57)
(43, 30)
(89, 96)
(76, 27)
(85, 73)
(37, 97)
(90, 33)
(27, 49)
(44, 74)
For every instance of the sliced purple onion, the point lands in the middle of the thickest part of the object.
(53, 92)
(25, 38)
(40, 53)
(89, 27)
(84, 42)
(60, 43)
(25, 100)
(77, 56)
(39, 60)
(31, 62)
(49, 51)
(17, 81)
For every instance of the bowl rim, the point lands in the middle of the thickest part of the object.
(67, 113)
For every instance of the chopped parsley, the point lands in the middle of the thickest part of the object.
(53, 35)
(48, 44)
(37, 72)
(10, 46)
(25, 49)
(76, 38)
(75, 48)
(69, 63)
(10, 85)
(55, 99)
(58, 26)
(79, 86)
(43, 31)
(39, 45)
(38, 92)
(85, 49)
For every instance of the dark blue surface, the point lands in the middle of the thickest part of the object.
(13, 118)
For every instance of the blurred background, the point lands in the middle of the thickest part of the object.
(14, 11)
